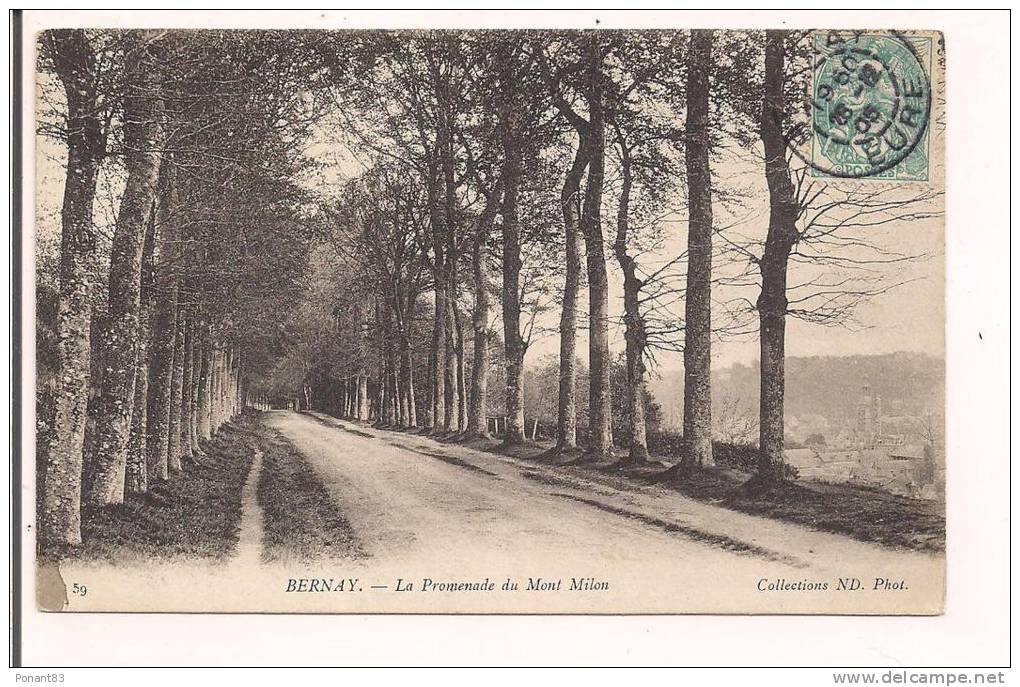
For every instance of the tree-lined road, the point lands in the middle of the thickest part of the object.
(405, 504)
(416, 503)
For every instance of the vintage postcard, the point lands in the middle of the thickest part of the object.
(491, 320)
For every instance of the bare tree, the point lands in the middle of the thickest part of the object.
(831, 230)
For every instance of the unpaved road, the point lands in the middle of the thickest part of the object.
(424, 508)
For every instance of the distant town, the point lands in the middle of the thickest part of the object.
(872, 420)
(901, 454)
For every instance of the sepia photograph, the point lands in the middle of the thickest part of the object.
(512, 321)
(533, 337)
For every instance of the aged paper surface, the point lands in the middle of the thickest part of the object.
(267, 263)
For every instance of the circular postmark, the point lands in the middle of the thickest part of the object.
(869, 103)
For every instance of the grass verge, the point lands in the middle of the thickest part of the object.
(301, 520)
(869, 515)
(194, 515)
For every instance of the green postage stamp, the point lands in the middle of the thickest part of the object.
(871, 105)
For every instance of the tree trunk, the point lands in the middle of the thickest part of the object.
(222, 384)
(97, 369)
(386, 373)
(235, 385)
(437, 385)
(187, 391)
(203, 426)
(214, 391)
(163, 335)
(197, 362)
(697, 444)
(61, 508)
(137, 476)
(512, 143)
(462, 399)
(566, 428)
(477, 426)
(513, 342)
(600, 399)
(412, 403)
(405, 312)
(451, 384)
(364, 404)
(363, 401)
(446, 122)
(219, 385)
(177, 395)
(634, 324)
(142, 132)
(209, 405)
(782, 236)
(397, 351)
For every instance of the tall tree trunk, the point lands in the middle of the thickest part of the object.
(451, 385)
(513, 342)
(446, 122)
(599, 396)
(477, 423)
(74, 61)
(219, 384)
(137, 476)
(187, 392)
(163, 335)
(214, 390)
(634, 324)
(97, 369)
(364, 409)
(782, 236)
(454, 339)
(397, 353)
(142, 133)
(437, 384)
(511, 140)
(462, 399)
(203, 427)
(385, 361)
(197, 362)
(406, 312)
(214, 383)
(177, 395)
(566, 428)
(364, 405)
(697, 443)
(412, 403)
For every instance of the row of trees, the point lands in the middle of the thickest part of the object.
(148, 334)
(493, 162)
(485, 169)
